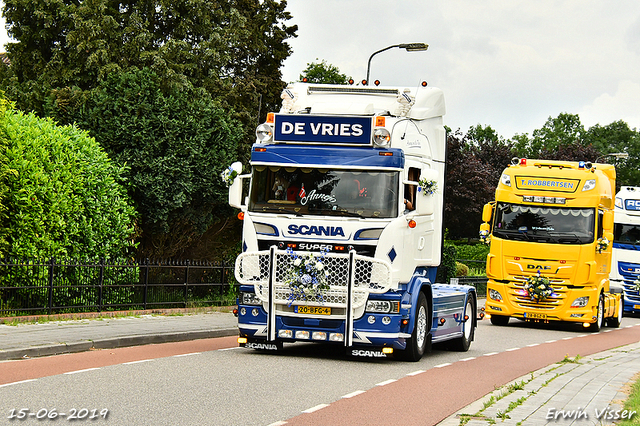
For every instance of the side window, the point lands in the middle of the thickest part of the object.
(600, 218)
(410, 191)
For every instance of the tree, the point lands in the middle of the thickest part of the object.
(613, 138)
(176, 141)
(233, 49)
(490, 149)
(563, 130)
(322, 72)
(468, 186)
(64, 195)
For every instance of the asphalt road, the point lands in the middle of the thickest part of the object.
(212, 382)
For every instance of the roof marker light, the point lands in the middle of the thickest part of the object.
(377, 82)
(424, 84)
(271, 117)
(364, 82)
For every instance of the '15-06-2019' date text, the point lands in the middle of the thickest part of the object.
(52, 414)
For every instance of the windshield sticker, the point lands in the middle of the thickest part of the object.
(313, 195)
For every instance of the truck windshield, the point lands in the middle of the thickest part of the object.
(306, 191)
(626, 233)
(544, 224)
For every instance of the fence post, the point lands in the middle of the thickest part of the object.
(146, 283)
(52, 264)
(186, 282)
(100, 282)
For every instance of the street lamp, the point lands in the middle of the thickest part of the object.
(615, 155)
(409, 47)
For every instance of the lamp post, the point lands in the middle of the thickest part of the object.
(409, 47)
(615, 155)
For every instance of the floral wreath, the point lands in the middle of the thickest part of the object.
(485, 237)
(228, 175)
(602, 244)
(538, 288)
(428, 187)
(307, 279)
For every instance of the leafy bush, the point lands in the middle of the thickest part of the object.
(462, 270)
(64, 195)
(447, 269)
(472, 251)
(177, 141)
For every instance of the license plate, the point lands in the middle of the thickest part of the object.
(532, 315)
(312, 310)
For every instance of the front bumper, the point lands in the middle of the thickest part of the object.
(515, 303)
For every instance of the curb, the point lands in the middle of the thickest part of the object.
(112, 343)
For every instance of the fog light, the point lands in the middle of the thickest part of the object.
(586, 324)
(336, 337)
(386, 320)
(302, 334)
(285, 334)
(319, 335)
(243, 311)
(387, 351)
(371, 319)
(255, 312)
(242, 340)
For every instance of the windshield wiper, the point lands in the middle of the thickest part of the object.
(512, 233)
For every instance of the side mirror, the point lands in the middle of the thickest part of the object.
(235, 189)
(425, 202)
(487, 211)
(607, 221)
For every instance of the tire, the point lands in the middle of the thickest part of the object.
(596, 326)
(463, 343)
(420, 341)
(617, 320)
(499, 320)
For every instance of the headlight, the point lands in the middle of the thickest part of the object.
(383, 306)
(250, 299)
(493, 294)
(618, 202)
(381, 136)
(506, 180)
(589, 185)
(580, 302)
(264, 133)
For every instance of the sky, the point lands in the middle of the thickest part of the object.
(508, 64)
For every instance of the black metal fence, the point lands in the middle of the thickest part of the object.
(45, 287)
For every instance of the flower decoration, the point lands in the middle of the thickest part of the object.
(538, 287)
(636, 285)
(307, 279)
(228, 175)
(485, 237)
(427, 187)
(602, 244)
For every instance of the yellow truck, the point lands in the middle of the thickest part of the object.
(550, 230)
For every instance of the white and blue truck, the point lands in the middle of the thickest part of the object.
(343, 225)
(625, 258)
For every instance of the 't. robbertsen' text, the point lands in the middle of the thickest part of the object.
(605, 414)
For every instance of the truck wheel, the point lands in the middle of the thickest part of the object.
(420, 341)
(617, 320)
(499, 320)
(462, 344)
(596, 326)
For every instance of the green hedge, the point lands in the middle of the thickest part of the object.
(63, 195)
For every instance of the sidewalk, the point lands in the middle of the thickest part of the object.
(58, 337)
(581, 391)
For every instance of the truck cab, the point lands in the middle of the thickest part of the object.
(625, 266)
(342, 230)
